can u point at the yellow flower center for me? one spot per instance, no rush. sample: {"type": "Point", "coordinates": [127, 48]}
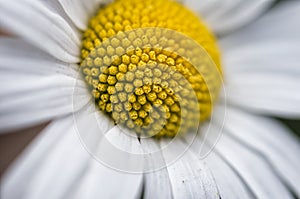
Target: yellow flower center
{"type": "Point", "coordinates": [144, 70]}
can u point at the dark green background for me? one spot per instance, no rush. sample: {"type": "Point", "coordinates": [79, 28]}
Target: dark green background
{"type": "Point", "coordinates": [292, 124]}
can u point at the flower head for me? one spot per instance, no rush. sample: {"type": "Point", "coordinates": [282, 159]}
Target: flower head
{"type": "Point", "coordinates": [145, 70]}
{"type": "Point", "coordinates": [98, 70]}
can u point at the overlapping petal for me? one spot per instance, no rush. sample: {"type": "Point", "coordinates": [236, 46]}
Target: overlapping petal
{"type": "Point", "coordinates": [261, 63]}
{"type": "Point", "coordinates": [35, 87]}
{"type": "Point", "coordinates": [43, 24]}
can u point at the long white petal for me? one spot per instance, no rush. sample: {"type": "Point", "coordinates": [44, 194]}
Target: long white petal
{"type": "Point", "coordinates": [80, 11]}
{"type": "Point", "coordinates": [156, 177]}
{"type": "Point", "coordinates": [228, 15]}
{"type": "Point", "coordinates": [105, 181]}
{"type": "Point", "coordinates": [121, 151]}
{"type": "Point", "coordinates": [26, 101]}
{"type": "Point", "coordinates": [268, 93]}
{"type": "Point", "coordinates": [189, 177]}
{"type": "Point", "coordinates": [18, 56]}
{"type": "Point", "coordinates": [35, 87]}
{"type": "Point", "coordinates": [261, 63]}
{"type": "Point", "coordinates": [271, 141]}
{"type": "Point", "coordinates": [40, 24]}
{"type": "Point", "coordinates": [55, 161]}
{"type": "Point", "coordinates": [258, 174]}
{"type": "Point", "coordinates": [229, 182]}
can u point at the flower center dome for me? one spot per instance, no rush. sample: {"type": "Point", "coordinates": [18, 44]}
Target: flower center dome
{"type": "Point", "coordinates": [144, 70]}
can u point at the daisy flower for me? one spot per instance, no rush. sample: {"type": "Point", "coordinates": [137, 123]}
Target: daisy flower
{"type": "Point", "coordinates": [148, 99]}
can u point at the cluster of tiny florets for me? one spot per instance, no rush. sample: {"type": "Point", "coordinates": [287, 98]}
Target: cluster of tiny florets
{"type": "Point", "coordinates": [139, 72]}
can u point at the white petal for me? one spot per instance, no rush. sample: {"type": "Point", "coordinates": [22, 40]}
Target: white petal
{"type": "Point", "coordinates": [17, 56]}
{"type": "Point", "coordinates": [29, 100]}
{"type": "Point", "coordinates": [79, 11]}
{"type": "Point", "coordinates": [229, 182]}
{"type": "Point", "coordinates": [189, 177]}
{"type": "Point", "coordinates": [38, 23]}
{"type": "Point", "coordinates": [156, 177]}
{"type": "Point", "coordinates": [258, 174]}
{"type": "Point", "coordinates": [25, 165]}
{"type": "Point", "coordinates": [271, 141]}
{"type": "Point", "coordinates": [261, 63]}
{"type": "Point", "coordinates": [224, 16]}
{"type": "Point", "coordinates": [269, 94]}
{"type": "Point", "coordinates": [104, 182]}
{"type": "Point", "coordinates": [103, 177]}
{"type": "Point", "coordinates": [35, 87]}
{"type": "Point", "coordinates": [55, 161]}
{"type": "Point", "coordinates": [121, 152]}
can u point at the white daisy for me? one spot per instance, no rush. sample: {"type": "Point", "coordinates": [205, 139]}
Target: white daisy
{"type": "Point", "coordinates": [254, 158]}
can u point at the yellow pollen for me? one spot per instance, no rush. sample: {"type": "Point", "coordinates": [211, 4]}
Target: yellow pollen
{"type": "Point", "coordinates": [142, 77]}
